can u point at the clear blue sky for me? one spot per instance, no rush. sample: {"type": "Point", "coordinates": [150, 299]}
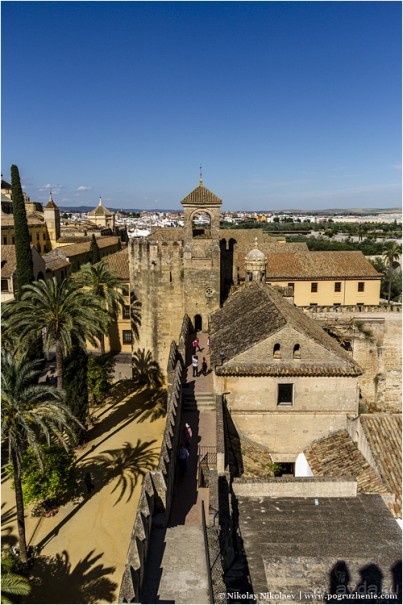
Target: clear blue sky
{"type": "Point", "coordinates": [285, 104]}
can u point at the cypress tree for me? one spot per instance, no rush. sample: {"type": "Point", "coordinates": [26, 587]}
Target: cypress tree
{"type": "Point", "coordinates": [75, 384]}
{"type": "Point", "coordinates": [25, 269]}
{"type": "Point", "coordinates": [95, 255]}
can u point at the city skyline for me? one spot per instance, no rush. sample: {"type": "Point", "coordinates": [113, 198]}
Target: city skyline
{"type": "Point", "coordinates": [284, 104]}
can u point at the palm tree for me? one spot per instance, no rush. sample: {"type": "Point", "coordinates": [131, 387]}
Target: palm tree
{"type": "Point", "coordinates": [62, 313]}
{"type": "Point", "coordinates": [30, 413]}
{"type": "Point", "coordinates": [105, 286]}
{"type": "Point", "coordinates": [391, 253]}
{"type": "Point", "coordinates": [13, 584]}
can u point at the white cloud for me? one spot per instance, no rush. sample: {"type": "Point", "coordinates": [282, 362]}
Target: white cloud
{"type": "Point", "coordinates": [83, 188]}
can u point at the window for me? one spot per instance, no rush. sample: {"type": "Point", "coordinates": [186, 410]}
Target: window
{"type": "Point", "coordinates": [361, 286]}
{"type": "Point", "coordinates": [337, 286]}
{"type": "Point", "coordinates": [276, 351]}
{"type": "Point", "coordinates": [127, 337]}
{"type": "Point", "coordinates": [296, 352]}
{"type": "Point", "coordinates": [44, 237]}
{"type": "Point", "coordinates": [37, 237]}
{"type": "Point", "coordinates": [13, 239]}
{"type": "Point", "coordinates": [126, 312]}
{"type": "Point", "coordinates": [5, 241]}
{"type": "Point", "coordinates": [285, 394]}
{"type": "Point", "coordinates": [4, 285]}
{"type": "Point", "coordinates": [314, 286]}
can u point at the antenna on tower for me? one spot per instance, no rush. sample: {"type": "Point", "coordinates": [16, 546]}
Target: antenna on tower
{"type": "Point", "coordinates": [201, 175]}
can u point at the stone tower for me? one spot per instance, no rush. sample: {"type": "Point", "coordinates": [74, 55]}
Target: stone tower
{"type": "Point", "coordinates": [174, 272]}
{"type": "Point", "coordinates": [51, 214]}
{"type": "Point", "coordinates": [201, 254]}
{"type": "Point", "coordinates": [255, 265]}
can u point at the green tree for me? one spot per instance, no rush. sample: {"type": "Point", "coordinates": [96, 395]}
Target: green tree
{"type": "Point", "coordinates": [30, 414]}
{"type": "Point", "coordinates": [12, 584]}
{"type": "Point", "coordinates": [54, 480]}
{"type": "Point", "coordinates": [391, 254]}
{"type": "Point", "coordinates": [25, 269]}
{"type": "Point", "coordinates": [60, 312]}
{"type": "Point", "coordinates": [95, 255]}
{"type": "Point", "coordinates": [107, 288]}
{"type": "Point", "coordinates": [75, 381]}
{"type": "Point", "coordinates": [99, 377]}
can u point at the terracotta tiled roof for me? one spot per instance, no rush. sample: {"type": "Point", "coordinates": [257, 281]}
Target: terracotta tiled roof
{"type": "Point", "coordinates": [118, 263]}
{"type": "Point", "coordinates": [384, 436]}
{"type": "Point", "coordinates": [312, 265]}
{"type": "Point", "coordinates": [100, 210]}
{"type": "Point", "coordinates": [337, 455]}
{"type": "Point", "coordinates": [76, 249]}
{"type": "Point", "coordinates": [255, 312]}
{"type": "Point", "coordinates": [34, 219]}
{"type": "Point", "coordinates": [201, 195]}
{"type": "Point", "coordinates": [8, 261]}
{"type": "Point", "coordinates": [55, 260]}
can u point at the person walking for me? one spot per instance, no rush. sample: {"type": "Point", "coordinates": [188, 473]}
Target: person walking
{"type": "Point", "coordinates": [196, 345]}
{"type": "Point", "coordinates": [187, 436]}
{"type": "Point", "coordinates": [195, 365]}
{"type": "Point", "coordinates": [204, 367]}
{"type": "Point", "coordinates": [183, 456]}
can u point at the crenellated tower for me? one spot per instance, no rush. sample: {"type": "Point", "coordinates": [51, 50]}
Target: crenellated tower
{"type": "Point", "coordinates": [201, 254]}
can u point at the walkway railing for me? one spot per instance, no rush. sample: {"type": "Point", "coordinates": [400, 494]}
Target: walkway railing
{"type": "Point", "coordinates": [207, 553]}
{"type": "Point", "coordinates": [206, 459]}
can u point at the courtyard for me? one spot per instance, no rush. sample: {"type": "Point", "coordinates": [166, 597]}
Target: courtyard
{"type": "Point", "coordinates": [83, 547]}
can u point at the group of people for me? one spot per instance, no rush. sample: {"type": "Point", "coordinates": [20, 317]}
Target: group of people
{"type": "Point", "coordinates": [184, 449]}
{"type": "Point", "coordinates": [195, 359]}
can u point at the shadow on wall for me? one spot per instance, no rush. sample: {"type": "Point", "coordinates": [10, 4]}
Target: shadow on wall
{"type": "Point", "coordinates": [369, 586]}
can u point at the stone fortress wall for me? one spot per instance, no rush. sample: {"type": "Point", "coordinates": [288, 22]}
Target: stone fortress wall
{"type": "Point", "coordinates": [156, 493]}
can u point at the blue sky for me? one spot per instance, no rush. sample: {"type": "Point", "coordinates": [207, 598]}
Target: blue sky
{"type": "Point", "coordinates": [285, 104]}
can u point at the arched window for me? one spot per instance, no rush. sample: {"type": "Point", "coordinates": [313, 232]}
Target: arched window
{"type": "Point", "coordinates": [297, 352]}
{"type": "Point", "coordinates": [201, 224]}
{"type": "Point", "coordinates": [277, 351]}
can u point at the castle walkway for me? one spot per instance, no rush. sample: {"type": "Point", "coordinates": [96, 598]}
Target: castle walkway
{"type": "Point", "coordinates": [176, 570]}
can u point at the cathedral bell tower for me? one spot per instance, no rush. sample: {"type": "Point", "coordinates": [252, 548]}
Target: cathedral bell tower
{"type": "Point", "coordinates": [201, 254]}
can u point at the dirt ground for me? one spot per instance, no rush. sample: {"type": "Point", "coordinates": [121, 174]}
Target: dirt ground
{"type": "Point", "coordinates": [84, 546]}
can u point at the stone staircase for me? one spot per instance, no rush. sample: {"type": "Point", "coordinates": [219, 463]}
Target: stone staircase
{"type": "Point", "coordinates": [182, 576]}
{"type": "Point", "coordinates": [198, 401]}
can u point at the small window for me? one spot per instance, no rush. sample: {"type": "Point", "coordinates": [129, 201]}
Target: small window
{"type": "Point", "coordinates": [361, 286]}
{"type": "Point", "coordinates": [296, 352]}
{"type": "Point", "coordinates": [337, 286]}
{"type": "Point", "coordinates": [276, 351]}
{"type": "Point", "coordinates": [127, 337]}
{"type": "Point", "coordinates": [5, 241]}
{"type": "Point", "coordinates": [44, 237]}
{"type": "Point", "coordinates": [37, 237]}
{"type": "Point", "coordinates": [13, 239]}
{"type": "Point", "coordinates": [4, 285]}
{"type": "Point", "coordinates": [126, 312]}
{"type": "Point", "coordinates": [314, 286]}
{"type": "Point", "coordinates": [285, 394]}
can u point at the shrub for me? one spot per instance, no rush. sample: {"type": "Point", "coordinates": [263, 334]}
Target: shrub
{"type": "Point", "coordinates": [99, 377]}
{"type": "Point", "coordinates": [57, 479]}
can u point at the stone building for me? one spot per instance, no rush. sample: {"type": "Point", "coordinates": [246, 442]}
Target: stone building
{"type": "Point", "coordinates": [102, 217]}
{"type": "Point", "coordinates": [191, 270]}
{"type": "Point", "coordinates": [277, 369]}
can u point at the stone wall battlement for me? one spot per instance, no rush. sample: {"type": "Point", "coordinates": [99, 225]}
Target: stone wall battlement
{"type": "Point", "coordinates": [156, 492]}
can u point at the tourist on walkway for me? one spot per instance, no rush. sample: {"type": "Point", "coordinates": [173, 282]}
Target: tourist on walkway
{"type": "Point", "coordinates": [196, 345]}
{"type": "Point", "coordinates": [195, 365]}
{"type": "Point", "coordinates": [183, 456]}
{"type": "Point", "coordinates": [204, 367]}
{"type": "Point", "coordinates": [187, 436]}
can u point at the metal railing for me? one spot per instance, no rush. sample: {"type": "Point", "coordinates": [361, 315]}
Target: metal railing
{"type": "Point", "coordinates": [207, 553]}
{"type": "Point", "coordinates": [206, 459]}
